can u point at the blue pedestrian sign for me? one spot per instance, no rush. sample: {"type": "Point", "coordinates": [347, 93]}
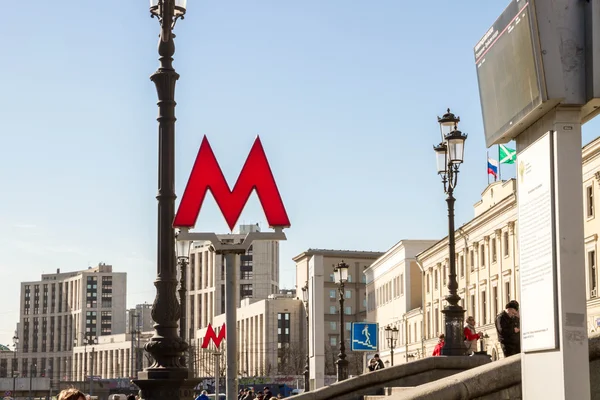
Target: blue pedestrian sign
{"type": "Point", "coordinates": [364, 336]}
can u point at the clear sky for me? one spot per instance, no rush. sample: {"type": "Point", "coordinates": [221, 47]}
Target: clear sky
{"type": "Point", "coordinates": [344, 94]}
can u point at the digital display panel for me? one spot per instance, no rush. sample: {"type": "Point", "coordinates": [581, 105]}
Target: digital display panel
{"type": "Point", "coordinates": [507, 72]}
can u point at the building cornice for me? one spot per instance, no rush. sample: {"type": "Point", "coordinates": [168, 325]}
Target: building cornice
{"type": "Point", "coordinates": [338, 253]}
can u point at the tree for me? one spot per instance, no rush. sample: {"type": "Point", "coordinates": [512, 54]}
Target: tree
{"type": "Point", "coordinates": [292, 359]}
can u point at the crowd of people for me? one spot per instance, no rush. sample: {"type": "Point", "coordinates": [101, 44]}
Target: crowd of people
{"type": "Point", "coordinates": [76, 394]}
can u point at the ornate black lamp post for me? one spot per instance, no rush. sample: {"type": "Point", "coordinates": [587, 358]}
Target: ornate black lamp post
{"type": "Point", "coordinates": [341, 277]}
{"type": "Point", "coordinates": [183, 256]}
{"type": "Point", "coordinates": [391, 335]}
{"type": "Point", "coordinates": [307, 366]}
{"type": "Point", "coordinates": [165, 376]}
{"type": "Point", "coordinates": [449, 155]}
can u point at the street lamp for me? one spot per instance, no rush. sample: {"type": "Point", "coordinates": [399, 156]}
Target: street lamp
{"type": "Point", "coordinates": [87, 340]}
{"type": "Point", "coordinates": [183, 248]}
{"type": "Point", "coordinates": [307, 366]}
{"type": "Point", "coordinates": [14, 363]}
{"type": "Point", "coordinates": [341, 277]}
{"type": "Point", "coordinates": [391, 335]}
{"type": "Point", "coordinates": [166, 373]}
{"type": "Point", "coordinates": [449, 155]}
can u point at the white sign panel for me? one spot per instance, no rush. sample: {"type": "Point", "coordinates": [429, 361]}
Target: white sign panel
{"type": "Point", "coordinates": [536, 246]}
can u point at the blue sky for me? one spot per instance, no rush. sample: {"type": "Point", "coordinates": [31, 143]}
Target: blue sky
{"type": "Point", "coordinates": [344, 95]}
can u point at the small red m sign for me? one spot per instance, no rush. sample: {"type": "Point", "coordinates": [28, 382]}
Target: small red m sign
{"type": "Point", "coordinates": [210, 335]}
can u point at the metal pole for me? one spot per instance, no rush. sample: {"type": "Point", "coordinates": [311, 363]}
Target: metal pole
{"type": "Point", "coordinates": [453, 312]}
{"type": "Point", "coordinates": [13, 371]}
{"type": "Point", "coordinates": [231, 303]}
{"type": "Point", "coordinates": [183, 301]}
{"type": "Point", "coordinates": [92, 372]}
{"type": "Point", "coordinates": [392, 352]}
{"type": "Point", "coordinates": [165, 374]}
{"type": "Point", "coordinates": [85, 360]}
{"type": "Point", "coordinates": [217, 374]}
{"type": "Point", "coordinates": [307, 366]}
{"type": "Point", "coordinates": [342, 363]}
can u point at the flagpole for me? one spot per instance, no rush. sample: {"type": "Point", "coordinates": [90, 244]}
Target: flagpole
{"type": "Point", "coordinates": [499, 163]}
{"type": "Point", "coordinates": [487, 160]}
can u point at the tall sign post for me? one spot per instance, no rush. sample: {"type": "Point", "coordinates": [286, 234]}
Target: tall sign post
{"type": "Point", "coordinates": [207, 175]}
{"type": "Point", "coordinates": [542, 53]}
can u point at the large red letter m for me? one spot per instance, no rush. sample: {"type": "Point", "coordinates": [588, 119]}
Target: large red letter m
{"type": "Point", "coordinates": [210, 335]}
{"type": "Point", "coordinates": [206, 174]}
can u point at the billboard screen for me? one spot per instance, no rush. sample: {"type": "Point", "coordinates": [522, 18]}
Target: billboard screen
{"type": "Point", "coordinates": [508, 72]}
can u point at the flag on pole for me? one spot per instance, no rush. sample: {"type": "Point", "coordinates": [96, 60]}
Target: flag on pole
{"type": "Point", "coordinates": [493, 167]}
{"type": "Point", "coordinates": [506, 155]}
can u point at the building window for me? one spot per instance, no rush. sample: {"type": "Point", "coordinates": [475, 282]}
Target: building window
{"type": "Point", "coordinates": [435, 280]}
{"type": "Point", "coordinates": [331, 278]}
{"type": "Point", "coordinates": [461, 263]}
{"type": "Point", "coordinates": [493, 250]}
{"type": "Point", "coordinates": [482, 255]}
{"type": "Point", "coordinates": [333, 326]}
{"type": "Point", "coordinates": [348, 294]}
{"type": "Point", "coordinates": [472, 308]}
{"type": "Point", "coordinates": [494, 301]}
{"type": "Point", "coordinates": [332, 294]}
{"type": "Point", "coordinates": [428, 282]}
{"type": "Point", "coordinates": [507, 293]}
{"type": "Point", "coordinates": [472, 260]}
{"type": "Point", "coordinates": [591, 256]}
{"type": "Point", "coordinates": [333, 340]}
{"type": "Point", "coordinates": [245, 290]}
{"type": "Point", "coordinates": [483, 307]}
{"type": "Point", "coordinates": [348, 310]}
{"type": "Point", "coordinates": [348, 326]}
{"type": "Point", "coordinates": [401, 284]}
{"type": "Point", "coordinates": [444, 275]}
{"type": "Point", "coordinates": [332, 310]}
{"type": "Point", "coordinates": [589, 201]}
{"type": "Point", "coordinates": [505, 244]}
{"type": "Point", "coordinates": [349, 278]}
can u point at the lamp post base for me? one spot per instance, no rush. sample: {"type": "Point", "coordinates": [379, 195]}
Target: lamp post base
{"type": "Point", "coordinates": [342, 369]}
{"type": "Point", "coordinates": [454, 317]}
{"type": "Point", "coordinates": [165, 385]}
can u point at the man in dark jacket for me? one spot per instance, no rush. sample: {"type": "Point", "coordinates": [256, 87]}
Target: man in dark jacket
{"type": "Point", "coordinates": [507, 326]}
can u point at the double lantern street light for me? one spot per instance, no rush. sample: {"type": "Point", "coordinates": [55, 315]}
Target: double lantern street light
{"type": "Point", "coordinates": [341, 277]}
{"type": "Point", "coordinates": [391, 336]}
{"type": "Point", "coordinates": [449, 154]}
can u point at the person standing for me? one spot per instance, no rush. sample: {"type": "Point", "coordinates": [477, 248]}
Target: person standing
{"type": "Point", "coordinates": [437, 351]}
{"type": "Point", "coordinates": [507, 326]}
{"type": "Point", "coordinates": [471, 336]}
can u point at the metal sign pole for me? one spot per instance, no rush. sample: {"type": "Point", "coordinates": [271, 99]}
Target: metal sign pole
{"type": "Point", "coordinates": [231, 304]}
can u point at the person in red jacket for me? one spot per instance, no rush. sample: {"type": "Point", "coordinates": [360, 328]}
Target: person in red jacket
{"type": "Point", "coordinates": [437, 351]}
{"type": "Point", "coordinates": [471, 336]}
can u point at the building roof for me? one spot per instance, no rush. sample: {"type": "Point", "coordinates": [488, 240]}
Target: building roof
{"type": "Point", "coordinates": [4, 348]}
{"type": "Point", "coordinates": [339, 253]}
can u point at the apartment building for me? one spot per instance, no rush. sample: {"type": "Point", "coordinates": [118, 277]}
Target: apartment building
{"type": "Point", "coordinates": [314, 269]}
{"type": "Point", "coordinates": [61, 309]}
{"type": "Point", "coordinates": [258, 277]}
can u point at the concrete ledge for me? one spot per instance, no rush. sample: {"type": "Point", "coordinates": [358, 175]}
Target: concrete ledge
{"type": "Point", "coordinates": [411, 374]}
{"type": "Point", "coordinates": [492, 378]}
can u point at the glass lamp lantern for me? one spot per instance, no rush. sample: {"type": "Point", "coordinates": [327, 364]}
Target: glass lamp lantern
{"type": "Point", "coordinates": [341, 272]}
{"type": "Point", "coordinates": [448, 123]}
{"type": "Point", "coordinates": [456, 146]}
{"type": "Point", "coordinates": [440, 157]}
{"type": "Point", "coordinates": [395, 334]}
{"type": "Point", "coordinates": [183, 248]}
{"type": "Point", "coordinates": [388, 333]}
{"type": "Point", "coordinates": [156, 7]}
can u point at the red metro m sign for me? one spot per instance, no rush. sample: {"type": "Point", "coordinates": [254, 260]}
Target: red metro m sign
{"type": "Point", "coordinates": [211, 336]}
{"type": "Point", "coordinates": [255, 175]}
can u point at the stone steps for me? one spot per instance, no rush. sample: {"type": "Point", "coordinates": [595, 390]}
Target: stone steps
{"type": "Point", "coordinates": [389, 391]}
